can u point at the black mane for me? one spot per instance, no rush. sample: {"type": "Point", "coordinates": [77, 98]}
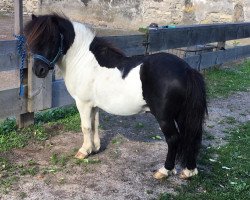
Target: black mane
{"type": "Point", "coordinates": [111, 57]}
{"type": "Point", "coordinates": [46, 29]}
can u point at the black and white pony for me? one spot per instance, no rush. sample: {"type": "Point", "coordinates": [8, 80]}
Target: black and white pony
{"type": "Point", "coordinates": [98, 75]}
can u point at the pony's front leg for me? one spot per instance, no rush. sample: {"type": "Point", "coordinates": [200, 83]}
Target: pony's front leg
{"type": "Point", "coordinates": [86, 113]}
{"type": "Point", "coordinates": [95, 126]}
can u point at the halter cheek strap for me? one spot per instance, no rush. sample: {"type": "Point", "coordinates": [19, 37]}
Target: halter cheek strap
{"type": "Point", "coordinates": [52, 63]}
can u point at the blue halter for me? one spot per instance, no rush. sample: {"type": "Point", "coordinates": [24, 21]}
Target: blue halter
{"type": "Point", "coordinates": [52, 63]}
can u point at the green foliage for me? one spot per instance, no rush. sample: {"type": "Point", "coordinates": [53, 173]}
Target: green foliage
{"type": "Point", "coordinates": [222, 82]}
{"type": "Point", "coordinates": [7, 126]}
{"type": "Point", "coordinates": [55, 159]}
{"type": "Point", "coordinates": [56, 114]}
{"type": "Point", "coordinates": [12, 137]}
{"type": "Point", "coordinates": [87, 161]}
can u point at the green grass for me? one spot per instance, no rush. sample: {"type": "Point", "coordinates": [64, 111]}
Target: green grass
{"type": "Point", "coordinates": [223, 82]}
{"type": "Point", "coordinates": [228, 177]}
{"type": "Point", "coordinates": [47, 124]}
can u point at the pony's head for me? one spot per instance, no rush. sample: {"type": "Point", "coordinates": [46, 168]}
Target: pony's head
{"type": "Point", "coordinates": [48, 38]}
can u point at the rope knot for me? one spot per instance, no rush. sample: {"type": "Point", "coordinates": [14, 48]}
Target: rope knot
{"type": "Point", "coordinates": [22, 53]}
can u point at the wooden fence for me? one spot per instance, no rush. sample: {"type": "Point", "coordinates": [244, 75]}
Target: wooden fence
{"type": "Point", "coordinates": [47, 93]}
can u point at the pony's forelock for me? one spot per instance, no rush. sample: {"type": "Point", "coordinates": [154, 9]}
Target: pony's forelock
{"type": "Point", "coordinates": [41, 26]}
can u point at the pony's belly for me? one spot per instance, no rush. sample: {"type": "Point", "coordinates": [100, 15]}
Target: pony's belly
{"type": "Point", "coordinates": [123, 106]}
{"type": "Point", "coordinates": [119, 96]}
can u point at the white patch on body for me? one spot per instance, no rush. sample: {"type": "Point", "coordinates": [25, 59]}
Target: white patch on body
{"type": "Point", "coordinates": [116, 95]}
{"type": "Point", "coordinates": [104, 87]}
{"type": "Point", "coordinates": [94, 86]}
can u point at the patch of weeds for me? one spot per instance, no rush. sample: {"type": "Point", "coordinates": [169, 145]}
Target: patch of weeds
{"type": "Point", "coordinates": [53, 115]}
{"type": "Point", "coordinates": [56, 119]}
{"type": "Point", "coordinates": [10, 173]}
{"type": "Point", "coordinates": [210, 126]}
{"type": "Point", "coordinates": [208, 136]}
{"type": "Point", "coordinates": [7, 126]}
{"type": "Point", "coordinates": [51, 169]}
{"type": "Point", "coordinates": [156, 137]}
{"type": "Point", "coordinates": [54, 159]}
{"type": "Point", "coordinates": [28, 170]}
{"type": "Point", "coordinates": [31, 162]}
{"type": "Point", "coordinates": [227, 176]}
{"type": "Point", "coordinates": [6, 183]}
{"type": "Point", "coordinates": [139, 125]}
{"type": "Point", "coordinates": [222, 82]}
{"type": "Point", "coordinates": [71, 123]}
{"type": "Point", "coordinates": [117, 140]}
{"type": "Point", "coordinates": [23, 195]}
{"type": "Point", "coordinates": [66, 118]}
{"type": "Point", "coordinates": [59, 160]}
{"type": "Point", "coordinates": [13, 140]}
{"type": "Point", "coordinates": [230, 120]}
{"type": "Point", "coordinates": [40, 134]}
{"type": "Point", "coordinates": [87, 161]}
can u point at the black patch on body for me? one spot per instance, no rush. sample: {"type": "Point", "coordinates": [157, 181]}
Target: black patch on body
{"type": "Point", "coordinates": [175, 93]}
{"type": "Point", "coordinates": [110, 57]}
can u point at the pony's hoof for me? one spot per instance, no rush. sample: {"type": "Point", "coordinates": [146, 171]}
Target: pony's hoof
{"type": "Point", "coordinates": [186, 173]}
{"type": "Point", "coordinates": [158, 175]}
{"type": "Point", "coordinates": [163, 173]}
{"type": "Point", "coordinates": [80, 155]}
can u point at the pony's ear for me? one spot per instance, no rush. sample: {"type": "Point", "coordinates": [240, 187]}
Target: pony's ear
{"type": "Point", "coordinates": [33, 16]}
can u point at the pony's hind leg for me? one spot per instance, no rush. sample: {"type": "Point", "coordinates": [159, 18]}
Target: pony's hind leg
{"type": "Point", "coordinates": [86, 114]}
{"type": "Point", "coordinates": [172, 138]}
{"type": "Point", "coordinates": [190, 167]}
{"type": "Point", "coordinates": [189, 147]}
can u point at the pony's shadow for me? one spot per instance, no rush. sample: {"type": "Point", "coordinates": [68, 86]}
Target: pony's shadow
{"type": "Point", "coordinates": [140, 127]}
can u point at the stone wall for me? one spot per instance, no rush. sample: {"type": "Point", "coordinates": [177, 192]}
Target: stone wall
{"type": "Point", "coordinates": [30, 6]}
{"type": "Point", "coordinates": [137, 13]}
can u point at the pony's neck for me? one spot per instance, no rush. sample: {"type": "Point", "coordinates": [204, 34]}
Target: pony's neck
{"type": "Point", "coordinates": [79, 53]}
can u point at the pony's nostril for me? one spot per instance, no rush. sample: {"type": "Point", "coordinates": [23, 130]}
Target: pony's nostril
{"type": "Point", "coordinates": [41, 71]}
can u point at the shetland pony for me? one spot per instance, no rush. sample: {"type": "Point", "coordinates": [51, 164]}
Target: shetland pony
{"type": "Point", "coordinates": [97, 75]}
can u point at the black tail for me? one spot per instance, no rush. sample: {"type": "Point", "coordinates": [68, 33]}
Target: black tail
{"type": "Point", "coordinates": [191, 119]}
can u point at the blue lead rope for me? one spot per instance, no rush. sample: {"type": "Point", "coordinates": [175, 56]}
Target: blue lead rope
{"type": "Point", "coordinates": [22, 53]}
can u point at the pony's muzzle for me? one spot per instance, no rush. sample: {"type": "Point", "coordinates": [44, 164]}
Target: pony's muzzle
{"type": "Point", "coordinates": [40, 70]}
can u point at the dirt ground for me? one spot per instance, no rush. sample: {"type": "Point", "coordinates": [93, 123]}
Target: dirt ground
{"type": "Point", "coordinates": [126, 162]}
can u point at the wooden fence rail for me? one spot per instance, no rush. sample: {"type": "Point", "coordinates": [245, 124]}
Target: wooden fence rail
{"type": "Point", "coordinates": [46, 93]}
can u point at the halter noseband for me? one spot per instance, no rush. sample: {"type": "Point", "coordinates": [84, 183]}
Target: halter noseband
{"type": "Point", "coordinates": [52, 63]}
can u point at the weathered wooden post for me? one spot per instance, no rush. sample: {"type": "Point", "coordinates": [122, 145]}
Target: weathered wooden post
{"type": "Point", "coordinates": [25, 119]}
{"type": "Point", "coordinates": [39, 93]}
